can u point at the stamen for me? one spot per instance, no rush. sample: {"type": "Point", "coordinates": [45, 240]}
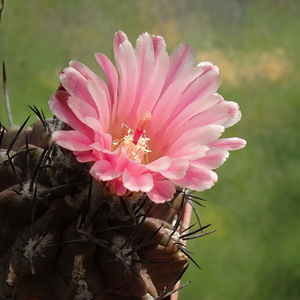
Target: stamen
{"type": "Point", "coordinates": [141, 127]}
{"type": "Point", "coordinates": [136, 143]}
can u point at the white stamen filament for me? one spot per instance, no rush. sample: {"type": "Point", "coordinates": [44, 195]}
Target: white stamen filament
{"type": "Point", "coordinates": [136, 142]}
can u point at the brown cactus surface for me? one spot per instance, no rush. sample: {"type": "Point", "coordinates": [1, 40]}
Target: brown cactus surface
{"type": "Point", "coordinates": [64, 236]}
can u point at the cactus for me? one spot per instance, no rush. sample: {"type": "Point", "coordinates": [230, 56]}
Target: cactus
{"type": "Point", "coordinates": [94, 203]}
{"type": "Point", "coordinates": [64, 236]}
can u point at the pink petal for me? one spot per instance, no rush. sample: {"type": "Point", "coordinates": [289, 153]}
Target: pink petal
{"type": "Point", "coordinates": [59, 106]}
{"type": "Point", "coordinates": [169, 100]}
{"type": "Point", "coordinates": [95, 89]}
{"type": "Point", "coordinates": [85, 156]}
{"type": "Point", "coordinates": [110, 73]}
{"type": "Point", "coordinates": [162, 191]}
{"type": "Point", "coordinates": [177, 170]}
{"type": "Point", "coordinates": [229, 143]}
{"type": "Point", "coordinates": [160, 164]}
{"type": "Point", "coordinates": [208, 66]}
{"type": "Point", "coordinates": [103, 170]}
{"type": "Point", "coordinates": [180, 122]}
{"type": "Point", "coordinates": [127, 67]}
{"type": "Point", "coordinates": [94, 124]}
{"type": "Point", "coordinates": [225, 113]}
{"type": "Point", "coordinates": [190, 151]}
{"type": "Point", "coordinates": [76, 85]}
{"type": "Point", "coordinates": [118, 186]}
{"type": "Point", "coordinates": [200, 136]}
{"type": "Point", "coordinates": [181, 60]}
{"type": "Point", "coordinates": [154, 85]}
{"type": "Point", "coordinates": [142, 182]}
{"type": "Point", "coordinates": [80, 108]}
{"type": "Point", "coordinates": [213, 158]}
{"type": "Point", "coordinates": [205, 85]}
{"type": "Point", "coordinates": [197, 178]}
{"type": "Point", "coordinates": [72, 140]}
{"type": "Point", "coordinates": [145, 61]}
{"type": "Point", "coordinates": [103, 103]}
{"type": "Point", "coordinates": [159, 45]}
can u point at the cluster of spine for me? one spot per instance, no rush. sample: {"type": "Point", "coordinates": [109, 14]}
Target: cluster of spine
{"type": "Point", "coordinates": [64, 236]}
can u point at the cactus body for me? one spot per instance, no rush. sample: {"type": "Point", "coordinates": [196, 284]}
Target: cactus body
{"type": "Point", "coordinates": [65, 236]}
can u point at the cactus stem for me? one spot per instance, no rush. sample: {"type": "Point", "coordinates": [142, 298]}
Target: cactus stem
{"type": "Point", "coordinates": [108, 291]}
{"type": "Point", "coordinates": [169, 290]}
{"type": "Point", "coordinates": [83, 292]}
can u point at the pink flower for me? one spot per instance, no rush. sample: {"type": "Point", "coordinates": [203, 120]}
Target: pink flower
{"type": "Point", "coordinates": [154, 125]}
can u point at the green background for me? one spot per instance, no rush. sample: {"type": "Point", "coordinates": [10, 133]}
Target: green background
{"type": "Point", "coordinates": [255, 204]}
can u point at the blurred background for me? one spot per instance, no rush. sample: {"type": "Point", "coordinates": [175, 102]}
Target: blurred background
{"type": "Point", "coordinates": [255, 253]}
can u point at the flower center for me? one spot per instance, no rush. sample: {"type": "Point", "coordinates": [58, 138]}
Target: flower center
{"type": "Point", "coordinates": [136, 141]}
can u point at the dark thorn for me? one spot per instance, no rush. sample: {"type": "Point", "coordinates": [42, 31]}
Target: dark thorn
{"type": "Point", "coordinates": [16, 136]}
{"type": "Point", "coordinates": [199, 235]}
{"type": "Point", "coordinates": [188, 228]}
{"type": "Point", "coordinates": [3, 130]}
{"type": "Point", "coordinates": [37, 168]}
{"type": "Point", "coordinates": [189, 256]}
{"type": "Point", "coordinates": [56, 188]}
{"type": "Point", "coordinates": [141, 244]}
{"type": "Point", "coordinates": [195, 212]}
{"type": "Point", "coordinates": [67, 243]}
{"type": "Point", "coordinates": [177, 224]}
{"type": "Point", "coordinates": [5, 88]}
{"type": "Point", "coordinates": [41, 116]}
{"type": "Point", "coordinates": [15, 171]}
{"type": "Point", "coordinates": [195, 231]}
{"type": "Point", "coordinates": [146, 261]}
{"type": "Point", "coordinates": [33, 211]}
{"type": "Point", "coordinates": [137, 227]}
{"type": "Point", "coordinates": [85, 206]}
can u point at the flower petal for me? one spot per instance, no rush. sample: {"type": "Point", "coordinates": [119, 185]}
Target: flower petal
{"type": "Point", "coordinates": [72, 140]}
{"type": "Point", "coordinates": [110, 73]}
{"type": "Point", "coordinates": [197, 178]}
{"type": "Point", "coordinates": [229, 143]}
{"type": "Point", "coordinates": [177, 170]}
{"type": "Point", "coordinates": [104, 171]}
{"type": "Point", "coordinates": [59, 106]}
{"type": "Point", "coordinates": [162, 191]}
{"type": "Point", "coordinates": [85, 156]}
{"type": "Point", "coordinates": [127, 67]}
{"type": "Point", "coordinates": [160, 164]}
{"type": "Point", "coordinates": [213, 158]}
{"type": "Point", "coordinates": [142, 182]}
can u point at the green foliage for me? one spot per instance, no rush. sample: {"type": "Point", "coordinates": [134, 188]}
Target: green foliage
{"type": "Point", "coordinates": [254, 206]}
